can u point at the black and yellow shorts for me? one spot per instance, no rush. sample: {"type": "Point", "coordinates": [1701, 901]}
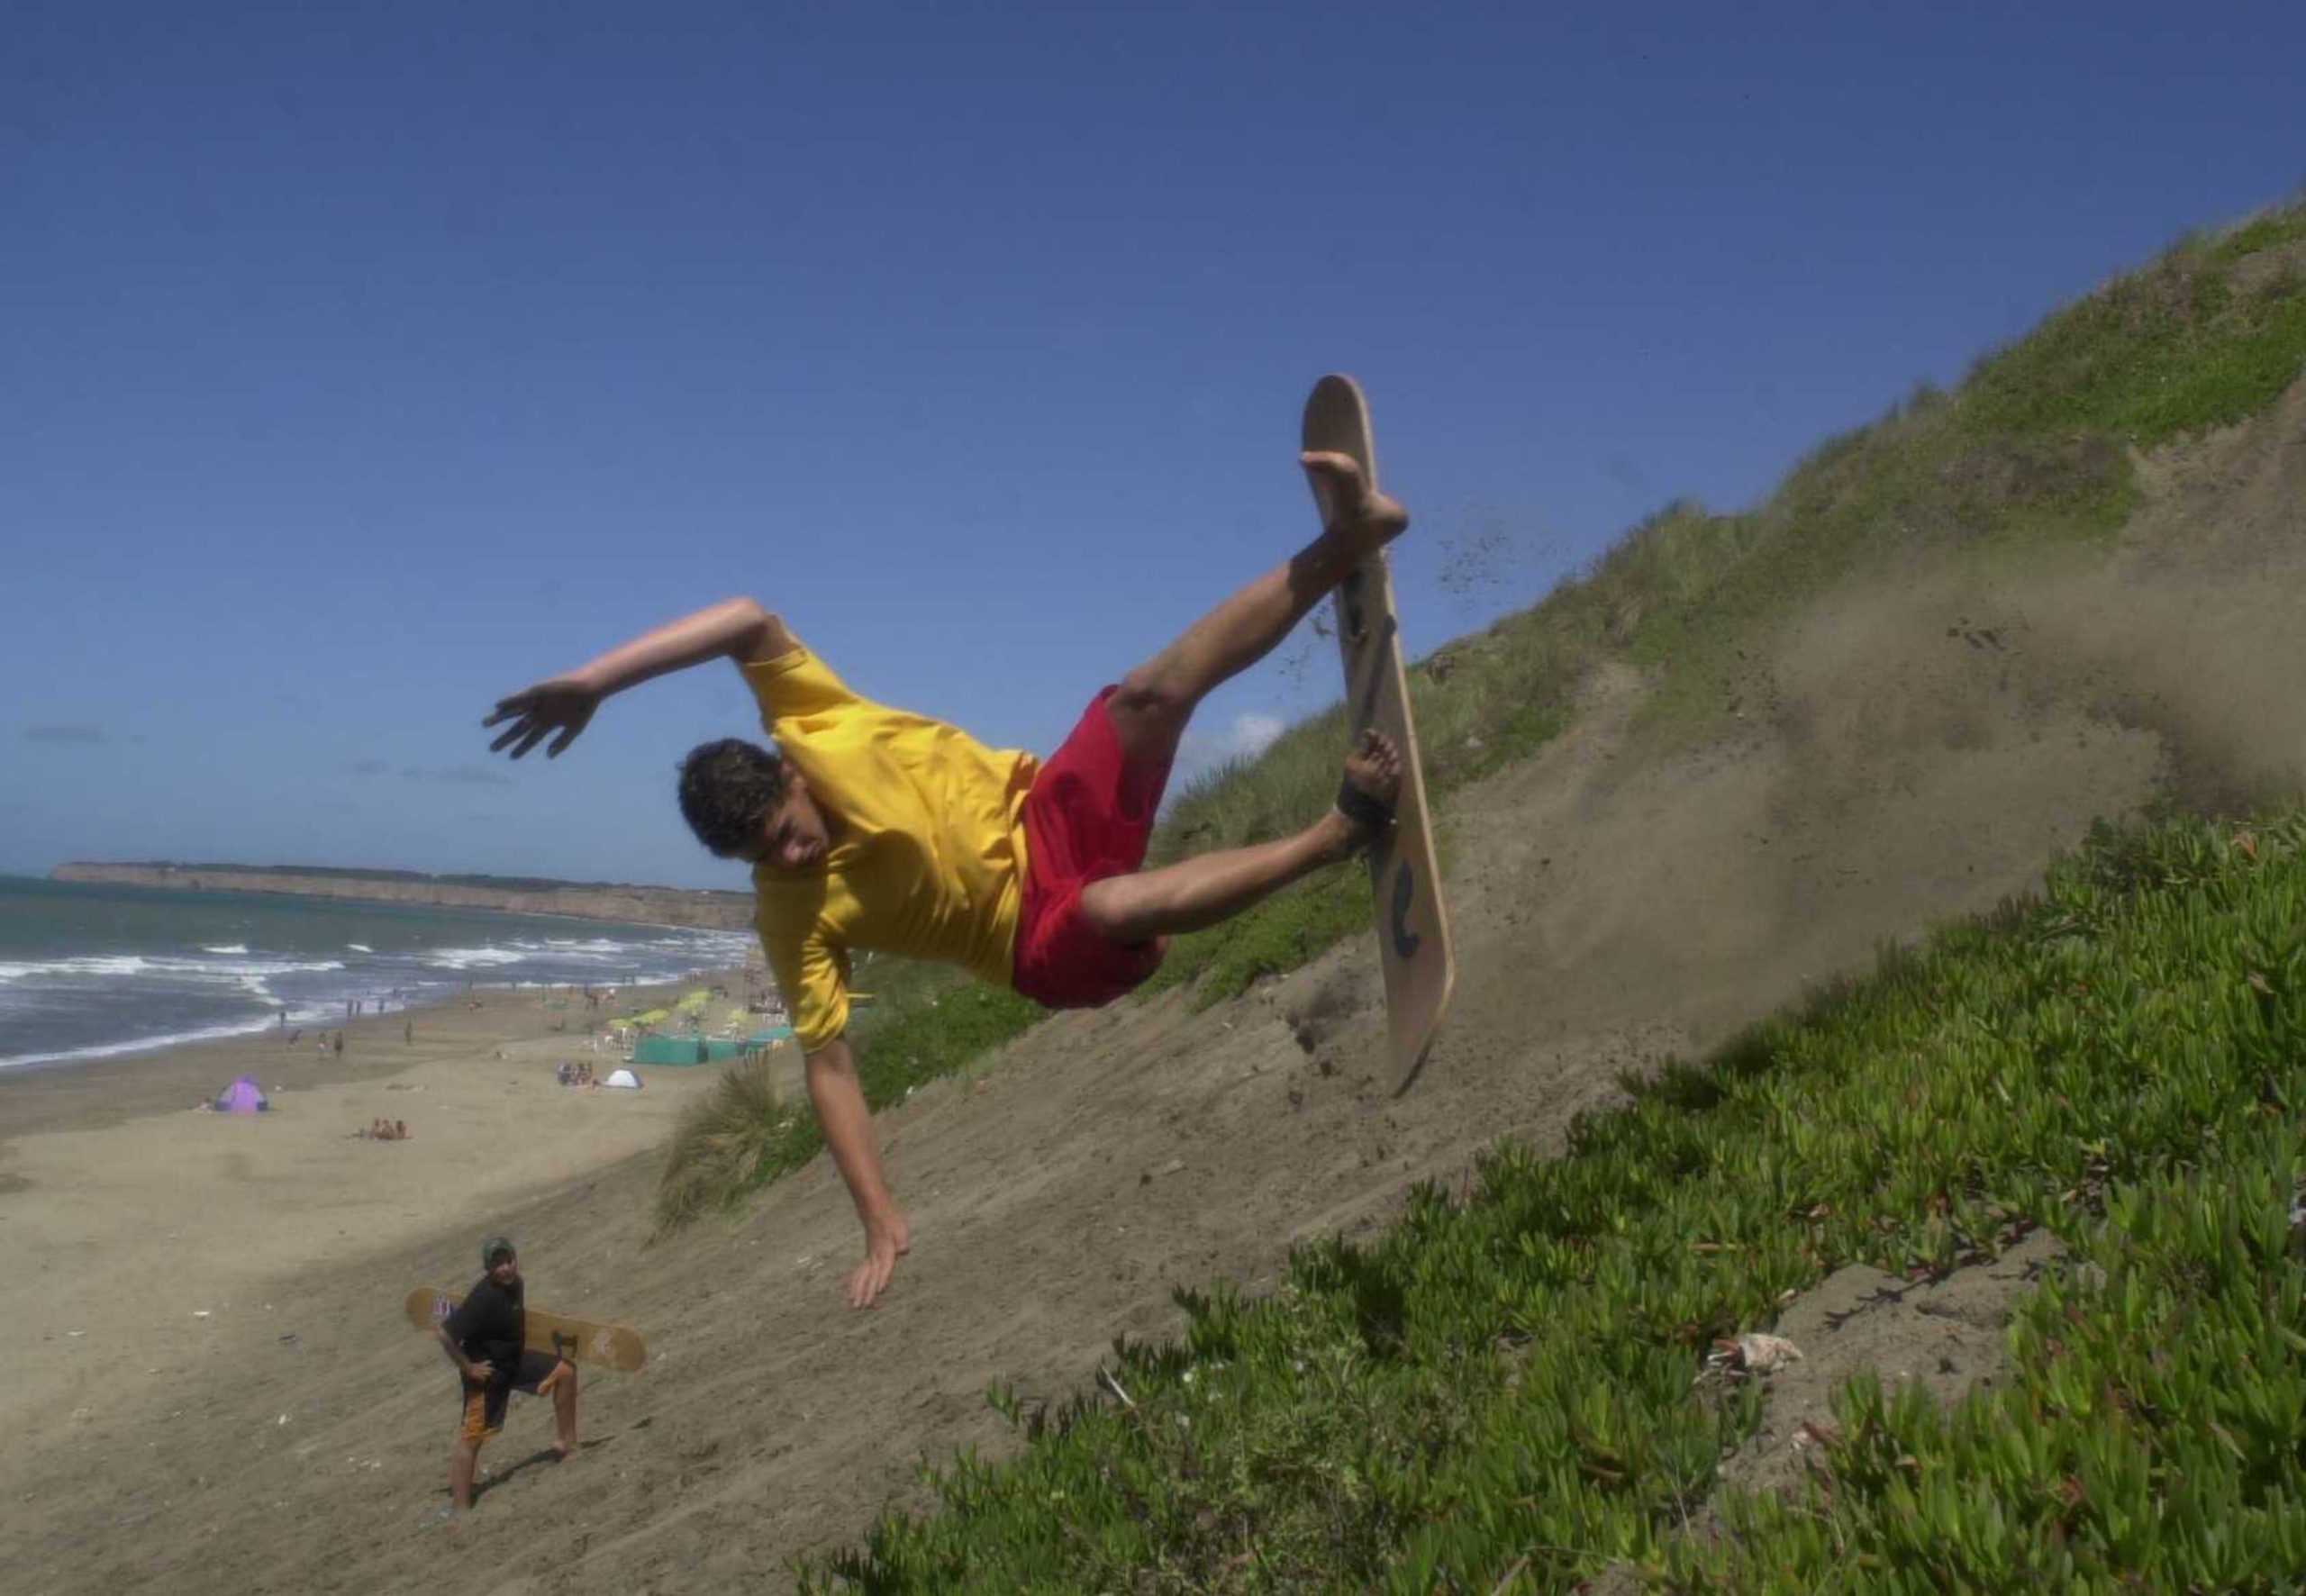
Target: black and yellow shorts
{"type": "Point", "coordinates": [484, 1404]}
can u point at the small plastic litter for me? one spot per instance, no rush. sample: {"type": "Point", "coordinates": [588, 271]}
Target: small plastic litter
{"type": "Point", "coordinates": [1753, 1354]}
{"type": "Point", "coordinates": [1764, 1354]}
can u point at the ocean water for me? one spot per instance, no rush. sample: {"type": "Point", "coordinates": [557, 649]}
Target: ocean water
{"type": "Point", "coordinates": [87, 971]}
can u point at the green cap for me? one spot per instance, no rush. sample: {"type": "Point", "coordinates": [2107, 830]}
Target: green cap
{"type": "Point", "coordinates": [492, 1246]}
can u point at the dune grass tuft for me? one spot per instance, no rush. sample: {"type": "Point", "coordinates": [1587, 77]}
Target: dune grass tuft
{"type": "Point", "coordinates": [723, 1138]}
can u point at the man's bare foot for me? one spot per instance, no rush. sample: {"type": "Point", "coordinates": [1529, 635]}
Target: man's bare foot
{"type": "Point", "coordinates": [1365, 518]}
{"type": "Point", "coordinates": [1366, 799]}
{"type": "Point", "coordinates": [564, 1450]}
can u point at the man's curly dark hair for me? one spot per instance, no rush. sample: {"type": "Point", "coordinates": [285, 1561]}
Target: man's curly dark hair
{"type": "Point", "coordinates": [728, 788]}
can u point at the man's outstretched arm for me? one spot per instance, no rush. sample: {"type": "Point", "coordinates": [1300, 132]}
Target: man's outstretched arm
{"type": "Point", "coordinates": [735, 629]}
{"type": "Point", "coordinates": [847, 1125]}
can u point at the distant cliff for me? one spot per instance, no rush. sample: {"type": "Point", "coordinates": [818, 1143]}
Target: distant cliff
{"type": "Point", "coordinates": [648, 905]}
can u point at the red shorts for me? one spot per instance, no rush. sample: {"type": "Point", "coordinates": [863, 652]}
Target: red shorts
{"type": "Point", "coordinates": [1089, 815]}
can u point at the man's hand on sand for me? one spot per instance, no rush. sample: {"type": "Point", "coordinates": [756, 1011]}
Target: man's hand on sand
{"type": "Point", "coordinates": [885, 1243]}
{"type": "Point", "coordinates": [563, 705]}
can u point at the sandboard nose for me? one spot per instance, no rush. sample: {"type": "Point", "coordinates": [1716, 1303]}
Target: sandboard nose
{"type": "Point", "coordinates": [1337, 419]}
{"type": "Point", "coordinates": [1337, 422]}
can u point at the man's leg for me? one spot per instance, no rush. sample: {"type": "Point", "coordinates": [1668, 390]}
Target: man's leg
{"type": "Point", "coordinates": [1154, 702]}
{"type": "Point", "coordinates": [1201, 892]}
{"type": "Point", "coordinates": [460, 1470]}
{"type": "Point", "coordinates": [564, 1407]}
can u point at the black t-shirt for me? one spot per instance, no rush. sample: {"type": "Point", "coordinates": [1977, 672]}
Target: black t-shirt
{"type": "Point", "coordinates": [490, 1325]}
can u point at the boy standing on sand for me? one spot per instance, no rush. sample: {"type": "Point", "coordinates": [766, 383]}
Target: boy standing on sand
{"type": "Point", "coordinates": [486, 1337]}
{"type": "Point", "coordinates": [872, 827]}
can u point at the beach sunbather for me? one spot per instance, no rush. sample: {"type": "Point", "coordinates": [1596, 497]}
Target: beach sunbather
{"type": "Point", "coordinates": [874, 828]}
{"type": "Point", "coordinates": [485, 1337]}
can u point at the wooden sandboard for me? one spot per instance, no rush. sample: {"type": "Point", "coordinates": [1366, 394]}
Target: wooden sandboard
{"type": "Point", "coordinates": [1413, 931]}
{"type": "Point", "coordinates": [580, 1340]}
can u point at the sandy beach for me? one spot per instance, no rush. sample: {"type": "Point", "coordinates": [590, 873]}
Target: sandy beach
{"type": "Point", "coordinates": [136, 1226]}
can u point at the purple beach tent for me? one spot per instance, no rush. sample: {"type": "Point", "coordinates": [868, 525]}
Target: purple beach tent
{"type": "Point", "coordinates": [242, 1097]}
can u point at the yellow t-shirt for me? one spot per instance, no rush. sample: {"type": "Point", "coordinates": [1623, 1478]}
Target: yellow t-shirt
{"type": "Point", "coordinates": [928, 858]}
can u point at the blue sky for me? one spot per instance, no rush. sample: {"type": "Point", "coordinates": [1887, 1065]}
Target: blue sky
{"type": "Point", "coordinates": [365, 364]}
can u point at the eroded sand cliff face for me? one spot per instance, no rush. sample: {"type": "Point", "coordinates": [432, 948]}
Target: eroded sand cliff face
{"type": "Point", "coordinates": [590, 901]}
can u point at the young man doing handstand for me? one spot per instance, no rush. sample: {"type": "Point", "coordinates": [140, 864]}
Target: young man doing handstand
{"type": "Point", "coordinates": [872, 828]}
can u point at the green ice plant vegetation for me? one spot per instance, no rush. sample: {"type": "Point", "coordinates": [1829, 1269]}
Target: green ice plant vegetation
{"type": "Point", "coordinates": [1506, 1390]}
